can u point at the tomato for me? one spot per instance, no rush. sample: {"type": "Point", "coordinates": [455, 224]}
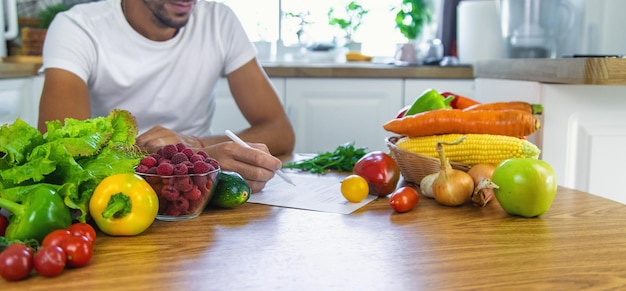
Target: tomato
{"type": "Point", "coordinates": [49, 261]}
{"type": "Point", "coordinates": [404, 199]}
{"type": "Point", "coordinates": [4, 222]}
{"type": "Point", "coordinates": [16, 262]}
{"type": "Point", "coordinates": [78, 250]}
{"type": "Point", "coordinates": [354, 188]}
{"type": "Point", "coordinates": [56, 237]}
{"type": "Point", "coordinates": [81, 228]}
{"type": "Point", "coordinates": [380, 171]}
{"type": "Point", "coordinates": [526, 187]}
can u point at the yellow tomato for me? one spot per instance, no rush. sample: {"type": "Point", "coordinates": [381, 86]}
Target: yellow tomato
{"type": "Point", "coordinates": [354, 188]}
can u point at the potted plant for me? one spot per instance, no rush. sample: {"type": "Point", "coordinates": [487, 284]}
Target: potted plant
{"type": "Point", "coordinates": [411, 18]}
{"type": "Point", "coordinates": [348, 20]}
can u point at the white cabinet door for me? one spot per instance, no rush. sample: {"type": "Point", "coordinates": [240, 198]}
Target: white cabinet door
{"type": "Point", "coordinates": [17, 100]}
{"type": "Point", "coordinates": [227, 114]}
{"type": "Point", "coordinates": [329, 112]}
{"type": "Point", "coordinates": [585, 137]}
{"type": "Point", "coordinates": [415, 87]}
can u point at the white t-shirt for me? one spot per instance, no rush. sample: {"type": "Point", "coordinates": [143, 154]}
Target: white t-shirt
{"type": "Point", "coordinates": [169, 83]}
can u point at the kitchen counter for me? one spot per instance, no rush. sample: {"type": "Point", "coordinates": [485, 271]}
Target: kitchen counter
{"type": "Point", "coordinates": [308, 70]}
{"type": "Point", "coordinates": [589, 71]}
{"type": "Point", "coordinates": [578, 244]}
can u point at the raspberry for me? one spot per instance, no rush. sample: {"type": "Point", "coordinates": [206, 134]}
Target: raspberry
{"type": "Point", "coordinates": [183, 184]}
{"type": "Point", "coordinates": [188, 152]}
{"type": "Point", "coordinates": [172, 210]}
{"type": "Point", "coordinates": [181, 204]}
{"type": "Point", "coordinates": [165, 169]}
{"type": "Point", "coordinates": [163, 161]}
{"type": "Point", "coordinates": [203, 153]}
{"type": "Point", "coordinates": [195, 205]}
{"type": "Point", "coordinates": [200, 181]}
{"type": "Point", "coordinates": [169, 150]}
{"type": "Point", "coordinates": [155, 156]}
{"type": "Point", "coordinates": [180, 147]}
{"type": "Point", "coordinates": [178, 158]}
{"type": "Point", "coordinates": [152, 170]}
{"type": "Point", "coordinates": [201, 167]}
{"type": "Point", "coordinates": [142, 169]}
{"type": "Point", "coordinates": [193, 194]}
{"type": "Point", "coordinates": [196, 157]}
{"type": "Point", "coordinates": [148, 161]}
{"type": "Point", "coordinates": [213, 162]}
{"type": "Point", "coordinates": [169, 192]}
{"type": "Point", "coordinates": [180, 169]}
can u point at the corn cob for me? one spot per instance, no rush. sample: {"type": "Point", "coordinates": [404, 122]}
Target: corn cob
{"type": "Point", "coordinates": [475, 149]}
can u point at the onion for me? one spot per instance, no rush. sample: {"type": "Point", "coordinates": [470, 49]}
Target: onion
{"type": "Point", "coordinates": [483, 187]}
{"type": "Point", "coordinates": [426, 185]}
{"type": "Point", "coordinates": [451, 187]}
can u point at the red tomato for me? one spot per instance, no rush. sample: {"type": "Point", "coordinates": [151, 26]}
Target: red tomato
{"type": "Point", "coordinates": [16, 262]}
{"type": "Point", "coordinates": [404, 199]}
{"type": "Point", "coordinates": [78, 250]}
{"type": "Point", "coordinates": [56, 237]}
{"type": "Point", "coordinates": [49, 261]}
{"type": "Point", "coordinates": [4, 222]}
{"type": "Point", "coordinates": [380, 171]}
{"type": "Point", "coordinates": [81, 228]}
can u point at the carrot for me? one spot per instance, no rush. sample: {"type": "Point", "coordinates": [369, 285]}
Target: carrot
{"type": "Point", "coordinates": [460, 102]}
{"type": "Point", "coordinates": [443, 121]}
{"type": "Point", "coordinates": [518, 105]}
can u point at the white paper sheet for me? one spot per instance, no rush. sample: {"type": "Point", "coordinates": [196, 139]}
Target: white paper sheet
{"type": "Point", "coordinates": [312, 192]}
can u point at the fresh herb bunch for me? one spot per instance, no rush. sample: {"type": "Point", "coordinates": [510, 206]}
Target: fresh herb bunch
{"type": "Point", "coordinates": [341, 159]}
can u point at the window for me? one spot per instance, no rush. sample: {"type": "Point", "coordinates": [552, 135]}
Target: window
{"type": "Point", "coordinates": [378, 35]}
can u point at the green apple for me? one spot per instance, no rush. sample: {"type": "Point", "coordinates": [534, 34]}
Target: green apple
{"type": "Point", "coordinates": [526, 187]}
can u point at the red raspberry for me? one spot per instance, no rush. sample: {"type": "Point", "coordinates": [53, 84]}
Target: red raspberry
{"type": "Point", "coordinates": [142, 169]}
{"type": "Point", "coordinates": [181, 204]}
{"type": "Point", "coordinates": [172, 210]}
{"type": "Point", "coordinates": [213, 162]}
{"type": "Point", "coordinates": [180, 169]}
{"type": "Point", "coordinates": [195, 205]}
{"type": "Point", "coordinates": [188, 152]}
{"type": "Point", "coordinates": [201, 167]}
{"type": "Point", "coordinates": [169, 150]}
{"type": "Point", "coordinates": [196, 157]}
{"type": "Point", "coordinates": [165, 169]}
{"type": "Point", "coordinates": [152, 170]}
{"type": "Point", "coordinates": [148, 161]}
{"type": "Point", "coordinates": [181, 146]}
{"type": "Point", "coordinates": [169, 192]}
{"type": "Point", "coordinates": [193, 194]}
{"type": "Point", "coordinates": [163, 160]}
{"type": "Point", "coordinates": [200, 181]}
{"type": "Point", "coordinates": [183, 184]}
{"type": "Point", "coordinates": [203, 153]}
{"type": "Point", "coordinates": [178, 158]}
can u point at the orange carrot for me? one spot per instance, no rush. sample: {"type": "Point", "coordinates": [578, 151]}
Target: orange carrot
{"type": "Point", "coordinates": [518, 105]}
{"type": "Point", "coordinates": [460, 102]}
{"type": "Point", "coordinates": [443, 121]}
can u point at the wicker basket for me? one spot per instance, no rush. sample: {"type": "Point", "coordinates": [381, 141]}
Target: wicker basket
{"type": "Point", "coordinates": [415, 167]}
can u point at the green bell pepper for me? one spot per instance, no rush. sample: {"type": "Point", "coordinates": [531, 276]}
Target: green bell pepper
{"type": "Point", "coordinates": [38, 213]}
{"type": "Point", "coordinates": [429, 100]}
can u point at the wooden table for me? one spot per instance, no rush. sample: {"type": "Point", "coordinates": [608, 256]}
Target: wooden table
{"type": "Point", "coordinates": [580, 243]}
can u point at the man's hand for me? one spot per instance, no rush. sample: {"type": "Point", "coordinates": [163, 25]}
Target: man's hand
{"type": "Point", "coordinates": [160, 136]}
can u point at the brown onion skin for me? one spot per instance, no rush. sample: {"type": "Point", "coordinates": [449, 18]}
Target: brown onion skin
{"type": "Point", "coordinates": [453, 187]}
{"type": "Point", "coordinates": [479, 172]}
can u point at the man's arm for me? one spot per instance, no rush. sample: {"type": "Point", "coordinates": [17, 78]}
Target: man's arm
{"type": "Point", "coordinates": [64, 95]}
{"type": "Point", "coordinates": [258, 101]}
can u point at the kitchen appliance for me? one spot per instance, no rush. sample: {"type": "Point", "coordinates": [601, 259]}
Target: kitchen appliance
{"type": "Point", "coordinates": [533, 28]}
{"type": "Point", "coordinates": [8, 22]}
{"type": "Point", "coordinates": [479, 37]}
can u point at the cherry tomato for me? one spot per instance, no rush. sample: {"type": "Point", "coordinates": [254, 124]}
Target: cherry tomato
{"type": "Point", "coordinates": [354, 188]}
{"type": "Point", "coordinates": [404, 199]}
{"type": "Point", "coordinates": [56, 237]}
{"type": "Point", "coordinates": [81, 228]}
{"type": "Point", "coordinates": [78, 250]}
{"type": "Point", "coordinates": [49, 261]}
{"type": "Point", "coordinates": [380, 171]}
{"type": "Point", "coordinates": [4, 222]}
{"type": "Point", "coordinates": [16, 262]}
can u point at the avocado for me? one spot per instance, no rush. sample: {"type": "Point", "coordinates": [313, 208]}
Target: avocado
{"type": "Point", "coordinates": [231, 190]}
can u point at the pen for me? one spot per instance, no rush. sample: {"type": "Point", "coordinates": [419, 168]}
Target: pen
{"type": "Point", "coordinates": [242, 143]}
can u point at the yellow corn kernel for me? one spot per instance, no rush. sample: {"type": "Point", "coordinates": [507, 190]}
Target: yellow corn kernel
{"type": "Point", "coordinates": [475, 149]}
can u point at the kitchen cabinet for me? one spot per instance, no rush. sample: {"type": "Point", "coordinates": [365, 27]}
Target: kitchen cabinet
{"type": "Point", "coordinates": [583, 134]}
{"type": "Point", "coordinates": [327, 112]}
{"type": "Point", "coordinates": [19, 97]}
{"type": "Point", "coordinates": [227, 114]}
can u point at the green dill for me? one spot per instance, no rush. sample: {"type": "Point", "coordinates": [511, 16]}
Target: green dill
{"type": "Point", "coordinates": [342, 159]}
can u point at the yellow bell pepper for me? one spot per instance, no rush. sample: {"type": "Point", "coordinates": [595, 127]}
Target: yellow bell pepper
{"type": "Point", "coordinates": [123, 205]}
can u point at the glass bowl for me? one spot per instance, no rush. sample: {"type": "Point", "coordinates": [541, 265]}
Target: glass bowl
{"type": "Point", "coordinates": [182, 197]}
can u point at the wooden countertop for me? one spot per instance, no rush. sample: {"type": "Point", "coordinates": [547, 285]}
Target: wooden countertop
{"type": "Point", "coordinates": [580, 243]}
{"type": "Point", "coordinates": [596, 71]}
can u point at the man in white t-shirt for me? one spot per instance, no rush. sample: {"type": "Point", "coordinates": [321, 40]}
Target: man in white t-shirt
{"type": "Point", "coordinates": [161, 60]}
